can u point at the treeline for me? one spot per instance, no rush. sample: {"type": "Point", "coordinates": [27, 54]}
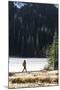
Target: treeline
{"type": "Point", "coordinates": [31, 29]}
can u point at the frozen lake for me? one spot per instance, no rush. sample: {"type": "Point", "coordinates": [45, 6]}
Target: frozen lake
{"type": "Point", "coordinates": [33, 64]}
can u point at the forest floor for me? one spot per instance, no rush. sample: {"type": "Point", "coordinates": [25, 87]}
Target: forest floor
{"type": "Point", "coordinates": [33, 79]}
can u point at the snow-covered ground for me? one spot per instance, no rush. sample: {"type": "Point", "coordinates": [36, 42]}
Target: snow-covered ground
{"type": "Point", "coordinates": [33, 64]}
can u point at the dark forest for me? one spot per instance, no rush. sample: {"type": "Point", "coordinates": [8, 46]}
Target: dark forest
{"type": "Point", "coordinates": [31, 29]}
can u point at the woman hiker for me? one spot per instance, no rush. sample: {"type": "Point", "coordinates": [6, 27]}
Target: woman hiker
{"type": "Point", "coordinates": [24, 66]}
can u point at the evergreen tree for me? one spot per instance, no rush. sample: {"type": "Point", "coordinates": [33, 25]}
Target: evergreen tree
{"type": "Point", "coordinates": [53, 54]}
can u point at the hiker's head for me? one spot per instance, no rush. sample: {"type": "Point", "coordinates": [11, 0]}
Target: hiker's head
{"type": "Point", "coordinates": [24, 60]}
